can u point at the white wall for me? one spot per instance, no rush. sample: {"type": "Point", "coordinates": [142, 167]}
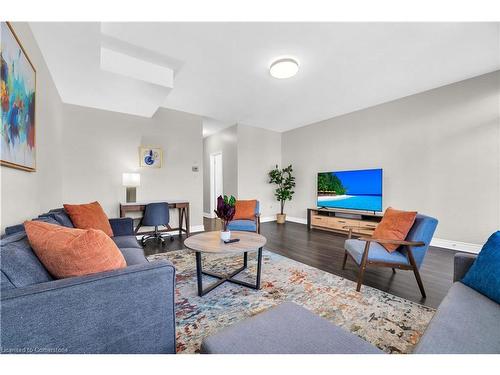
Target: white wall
{"type": "Point", "coordinates": [100, 145]}
{"type": "Point", "coordinates": [26, 194]}
{"type": "Point", "coordinates": [440, 151]}
{"type": "Point", "coordinates": [259, 150]}
{"type": "Point", "coordinates": [248, 153]}
{"type": "Point", "coordinates": [224, 141]}
{"type": "Point", "coordinates": [82, 153]}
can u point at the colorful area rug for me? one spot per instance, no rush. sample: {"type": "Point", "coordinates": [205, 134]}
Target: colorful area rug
{"type": "Point", "coordinates": [391, 323]}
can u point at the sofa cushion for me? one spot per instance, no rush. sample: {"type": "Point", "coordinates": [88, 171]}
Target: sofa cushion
{"type": "Point", "coordinates": [286, 329]}
{"type": "Point", "coordinates": [133, 256]}
{"type": "Point", "coordinates": [5, 283]}
{"type": "Point", "coordinates": [244, 225]}
{"type": "Point", "coordinates": [123, 226]}
{"type": "Point", "coordinates": [20, 227]}
{"type": "Point", "coordinates": [19, 264]}
{"type": "Point", "coordinates": [465, 322]}
{"type": "Point", "coordinates": [14, 229]}
{"type": "Point", "coordinates": [61, 217]}
{"type": "Point", "coordinates": [68, 252]}
{"type": "Point", "coordinates": [47, 219]}
{"type": "Point", "coordinates": [126, 241]}
{"type": "Point", "coordinates": [377, 252]}
{"type": "Point", "coordinates": [89, 216]}
{"type": "Point", "coordinates": [484, 274]}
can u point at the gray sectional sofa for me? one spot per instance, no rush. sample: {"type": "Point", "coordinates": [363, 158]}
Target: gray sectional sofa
{"type": "Point", "coordinates": [124, 311]}
{"type": "Point", "coordinates": [465, 322]}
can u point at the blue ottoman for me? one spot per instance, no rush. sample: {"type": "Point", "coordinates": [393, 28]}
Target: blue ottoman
{"type": "Point", "coordinates": [286, 329]}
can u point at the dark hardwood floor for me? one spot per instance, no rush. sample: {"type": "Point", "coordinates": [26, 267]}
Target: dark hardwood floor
{"type": "Point", "coordinates": [324, 250]}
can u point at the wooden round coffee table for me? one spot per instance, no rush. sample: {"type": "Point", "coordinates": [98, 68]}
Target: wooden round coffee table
{"type": "Point", "coordinates": [210, 242]}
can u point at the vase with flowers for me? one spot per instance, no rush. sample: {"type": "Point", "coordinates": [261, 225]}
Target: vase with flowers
{"type": "Point", "coordinates": [225, 212]}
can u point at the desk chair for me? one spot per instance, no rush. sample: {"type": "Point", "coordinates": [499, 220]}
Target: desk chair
{"type": "Point", "coordinates": [156, 214]}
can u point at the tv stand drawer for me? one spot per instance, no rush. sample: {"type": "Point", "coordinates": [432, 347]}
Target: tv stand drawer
{"type": "Point", "coordinates": [339, 224]}
{"type": "Point", "coordinates": [320, 221]}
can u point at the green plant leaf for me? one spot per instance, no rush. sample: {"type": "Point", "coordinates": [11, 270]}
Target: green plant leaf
{"type": "Point", "coordinates": [232, 201]}
{"type": "Point", "coordinates": [285, 183]}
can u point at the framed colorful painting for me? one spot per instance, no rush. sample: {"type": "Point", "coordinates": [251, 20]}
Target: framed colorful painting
{"type": "Point", "coordinates": [150, 156]}
{"type": "Point", "coordinates": [18, 88]}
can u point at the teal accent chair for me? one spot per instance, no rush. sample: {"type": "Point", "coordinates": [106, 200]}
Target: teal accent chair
{"type": "Point", "coordinates": [408, 256]}
{"type": "Point", "coordinates": [247, 225]}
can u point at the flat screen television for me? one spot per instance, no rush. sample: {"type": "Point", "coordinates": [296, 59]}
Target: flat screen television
{"type": "Point", "coordinates": [352, 190]}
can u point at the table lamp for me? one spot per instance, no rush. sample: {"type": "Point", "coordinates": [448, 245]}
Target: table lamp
{"type": "Point", "coordinates": [131, 181]}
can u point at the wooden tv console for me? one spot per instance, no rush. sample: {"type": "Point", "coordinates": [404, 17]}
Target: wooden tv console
{"type": "Point", "coordinates": [335, 220]}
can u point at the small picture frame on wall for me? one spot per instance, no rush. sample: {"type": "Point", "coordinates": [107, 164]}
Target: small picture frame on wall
{"type": "Point", "coordinates": [151, 157]}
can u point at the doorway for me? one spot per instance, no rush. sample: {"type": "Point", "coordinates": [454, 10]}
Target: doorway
{"type": "Point", "coordinates": [216, 179]}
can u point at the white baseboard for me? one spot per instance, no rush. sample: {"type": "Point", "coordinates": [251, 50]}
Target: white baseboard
{"type": "Point", "coordinates": [292, 219]}
{"type": "Point", "coordinates": [267, 219]}
{"type": "Point", "coordinates": [299, 220]}
{"type": "Point", "coordinates": [197, 228]}
{"type": "Point", "coordinates": [456, 245]}
{"type": "Point", "coordinates": [208, 215]}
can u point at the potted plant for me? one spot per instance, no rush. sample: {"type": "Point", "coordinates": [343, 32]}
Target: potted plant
{"type": "Point", "coordinates": [286, 182]}
{"type": "Point", "coordinates": [225, 211]}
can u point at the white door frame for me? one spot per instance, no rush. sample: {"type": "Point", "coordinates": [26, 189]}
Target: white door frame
{"type": "Point", "coordinates": [213, 179]}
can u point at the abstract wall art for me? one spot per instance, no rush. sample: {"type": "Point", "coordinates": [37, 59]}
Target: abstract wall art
{"type": "Point", "coordinates": [18, 87]}
{"type": "Point", "coordinates": [150, 156]}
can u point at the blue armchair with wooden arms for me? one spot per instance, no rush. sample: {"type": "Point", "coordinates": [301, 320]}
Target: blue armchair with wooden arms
{"type": "Point", "coordinates": [408, 256]}
{"type": "Point", "coordinates": [246, 221]}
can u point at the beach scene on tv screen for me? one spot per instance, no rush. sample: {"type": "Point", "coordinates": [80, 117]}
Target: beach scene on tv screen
{"type": "Point", "coordinates": [354, 190]}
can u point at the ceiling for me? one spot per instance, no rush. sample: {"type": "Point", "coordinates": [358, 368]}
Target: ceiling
{"type": "Point", "coordinates": [221, 70]}
{"type": "Point", "coordinates": [212, 126]}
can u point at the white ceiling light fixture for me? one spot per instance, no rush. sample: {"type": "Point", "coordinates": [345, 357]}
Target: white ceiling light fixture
{"type": "Point", "coordinates": [284, 68]}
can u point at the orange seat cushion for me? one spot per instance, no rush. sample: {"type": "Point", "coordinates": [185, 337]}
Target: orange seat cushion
{"type": "Point", "coordinates": [68, 252]}
{"type": "Point", "coordinates": [395, 225]}
{"type": "Point", "coordinates": [245, 210]}
{"type": "Point", "coordinates": [89, 216]}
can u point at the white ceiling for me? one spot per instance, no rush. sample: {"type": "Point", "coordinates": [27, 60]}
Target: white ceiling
{"type": "Point", "coordinates": [212, 126]}
{"type": "Point", "coordinates": [221, 69]}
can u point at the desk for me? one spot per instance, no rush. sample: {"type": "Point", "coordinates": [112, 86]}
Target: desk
{"type": "Point", "coordinates": [181, 205]}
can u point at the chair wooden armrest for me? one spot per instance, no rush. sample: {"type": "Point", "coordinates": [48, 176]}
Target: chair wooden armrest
{"type": "Point", "coordinates": [394, 242]}
{"type": "Point", "coordinates": [257, 221]}
{"type": "Point", "coordinates": [357, 227]}
{"type": "Point", "coordinates": [350, 228]}
{"type": "Point", "coordinates": [367, 228]}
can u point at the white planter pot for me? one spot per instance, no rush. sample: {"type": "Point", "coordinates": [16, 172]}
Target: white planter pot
{"type": "Point", "coordinates": [225, 236]}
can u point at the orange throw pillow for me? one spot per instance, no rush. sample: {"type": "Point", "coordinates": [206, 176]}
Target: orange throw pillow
{"type": "Point", "coordinates": [68, 252]}
{"type": "Point", "coordinates": [395, 225]}
{"type": "Point", "coordinates": [89, 216]}
{"type": "Point", "coordinates": [245, 210]}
